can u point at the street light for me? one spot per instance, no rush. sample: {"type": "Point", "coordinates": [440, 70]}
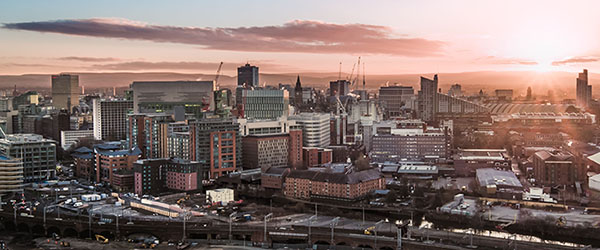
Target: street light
{"type": "Point", "coordinates": [265, 235]}
{"type": "Point", "coordinates": [309, 225]}
{"type": "Point", "coordinates": [230, 216]}
{"type": "Point", "coordinates": [184, 218]}
{"type": "Point", "coordinates": [333, 224]}
{"type": "Point", "coordinates": [375, 231]}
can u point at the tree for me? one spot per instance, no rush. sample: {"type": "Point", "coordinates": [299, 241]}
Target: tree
{"type": "Point", "coordinates": [362, 163]}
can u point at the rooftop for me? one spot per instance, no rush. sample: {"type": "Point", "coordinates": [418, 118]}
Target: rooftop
{"type": "Point", "coordinates": [500, 178]}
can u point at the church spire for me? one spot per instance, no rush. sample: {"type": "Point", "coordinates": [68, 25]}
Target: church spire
{"type": "Point", "coordinates": [298, 84]}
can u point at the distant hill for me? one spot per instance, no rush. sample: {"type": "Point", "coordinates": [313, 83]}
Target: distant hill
{"type": "Point", "coordinates": [562, 83]}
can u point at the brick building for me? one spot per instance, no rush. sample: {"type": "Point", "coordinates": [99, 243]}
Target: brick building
{"type": "Point", "coordinates": [272, 150]}
{"type": "Point", "coordinates": [348, 185]}
{"type": "Point", "coordinates": [274, 177]}
{"type": "Point", "coordinates": [314, 157]}
{"type": "Point", "coordinates": [155, 176]}
{"type": "Point", "coordinates": [552, 168]}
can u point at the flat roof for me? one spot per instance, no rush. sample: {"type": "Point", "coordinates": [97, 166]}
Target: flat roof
{"type": "Point", "coordinates": [490, 176]}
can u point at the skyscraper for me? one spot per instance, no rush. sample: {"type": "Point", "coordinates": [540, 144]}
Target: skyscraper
{"type": "Point", "coordinates": [584, 91]}
{"type": "Point", "coordinates": [65, 91]}
{"type": "Point", "coordinates": [428, 98]}
{"type": "Point", "coordinates": [110, 119]}
{"type": "Point", "coordinates": [341, 87]}
{"type": "Point", "coordinates": [248, 75]}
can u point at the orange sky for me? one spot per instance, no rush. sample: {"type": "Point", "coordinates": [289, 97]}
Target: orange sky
{"type": "Point", "coordinates": [305, 36]}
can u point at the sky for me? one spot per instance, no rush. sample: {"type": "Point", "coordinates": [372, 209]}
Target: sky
{"type": "Point", "coordinates": [391, 37]}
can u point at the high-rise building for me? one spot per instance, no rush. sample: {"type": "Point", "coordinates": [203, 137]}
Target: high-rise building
{"type": "Point", "coordinates": [110, 119]}
{"type": "Point", "coordinates": [263, 103]}
{"type": "Point", "coordinates": [273, 150]}
{"type": "Point", "coordinates": [315, 128]}
{"type": "Point", "coordinates": [584, 90]}
{"type": "Point", "coordinates": [248, 76]}
{"type": "Point", "coordinates": [11, 175]}
{"type": "Point", "coordinates": [218, 145]}
{"type": "Point", "coordinates": [428, 98]}
{"type": "Point", "coordinates": [339, 87]}
{"type": "Point", "coordinates": [396, 100]}
{"type": "Point", "coordinates": [434, 105]}
{"type": "Point", "coordinates": [298, 93]}
{"type": "Point", "coordinates": [196, 97]}
{"type": "Point", "coordinates": [37, 153]}
{"type": "Point", "coordinates": [181, 141]}
{"type": "Point", "coordinates": [65, 91]}
{"type": "Point", "coordinates": [149, 132]}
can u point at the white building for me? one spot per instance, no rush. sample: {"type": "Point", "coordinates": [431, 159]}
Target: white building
{"type": "Point", "coordinates": [315, 128]}
{"type": "Point", "coordinates": [594, 182]}
{"type": "Point", "coordinates": [264, 127]}
{"type": "Point", "coordinates": [37, 153]}
{"type": "Point", "coordinates": [110, 119]}
{"type": "Point", "coordinates": [221, 195]}
{"type": "Point", "coordinates": [71, 137]}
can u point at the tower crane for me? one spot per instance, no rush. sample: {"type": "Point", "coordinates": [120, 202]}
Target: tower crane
{"type": "Point", "coordinates": [217, 76]}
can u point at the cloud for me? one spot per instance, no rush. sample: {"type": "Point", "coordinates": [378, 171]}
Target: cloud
{"type": "Point", "coordinates": [574, 60]}
{"type": "Point", "coordinates": [500, 60]}
{"type": "Point", "coordinates": [299, 36]}
{"type": "Point", "coordinates": [88, 59]}
{"type": "Point", "coordinates": [199, 66]}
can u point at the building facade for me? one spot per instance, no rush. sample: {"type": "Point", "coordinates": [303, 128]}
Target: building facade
{"type": "Point", "coordinates": [247, 75]}
{"type": "Point", "coordinates": [37, 153]}
{"type": "Point", "coordinates": [263, 103]}
{"type": "Point", "coordinates": [583, 90]}
{"type": "Point", "coordinates": [196, 97]}
{"type": "Point", "coordinates": [315, 128]}
{"type": "Point", "coordinates": [65, 91]}
{"type": "Point", "coordinates": [315, 157]}
{"type": "Point", "coordinates": [156, 176]}
{"type": "Point", "coordinates": [69, 138]}
{"type": "Point", "coordinates": [110, 119]}
{"type": "Point", "coordinates": [396, 99]}
{"type": "Point", "coordinates": [11, 175]}
{"type": "Point", "coordinates": [344, 186]}
{"type": "Point", "coordinates": [218, 145]}
{"type": "Point", "coordinates": [553, 168]}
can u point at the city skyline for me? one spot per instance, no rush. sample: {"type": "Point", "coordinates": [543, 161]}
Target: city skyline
{"type": "Point", "coordinates": [391, 38]}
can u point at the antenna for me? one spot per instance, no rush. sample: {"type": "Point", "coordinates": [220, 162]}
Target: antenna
{"type": "Point", "coordinates": [339, 74]}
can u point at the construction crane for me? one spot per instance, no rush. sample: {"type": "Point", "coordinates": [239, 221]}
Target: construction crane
{"type": "Point", "coordinates": [217, 76]}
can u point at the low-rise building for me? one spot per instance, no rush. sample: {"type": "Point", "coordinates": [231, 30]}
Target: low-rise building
{"type": "Point", "coordinates": [156, 176]}
{"type": "Point", "coordinates": [274, 178]}
{"type": "Point", "coordinates": [554, 168]}
{"type": "Point", "coordinates": [110, 159]}
{"type": "Point", "coordinates": [499, 182]}
{"type": "Point", "coordinates": [467, 161]}
{"type": "Point", "coordinates": [348, 185]}
{"type": "Point", "coordinates": [221, 195]}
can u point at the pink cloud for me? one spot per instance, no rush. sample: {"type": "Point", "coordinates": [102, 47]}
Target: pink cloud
{"type": "Point", "coordinates": [299, 36]}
